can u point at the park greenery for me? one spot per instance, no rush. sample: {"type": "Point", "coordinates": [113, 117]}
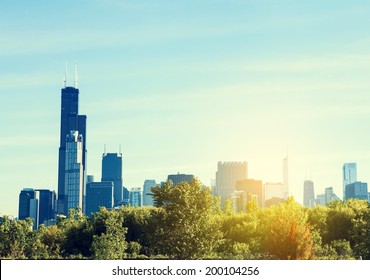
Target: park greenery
{"type": "Point", "coordinates": [187, 222]}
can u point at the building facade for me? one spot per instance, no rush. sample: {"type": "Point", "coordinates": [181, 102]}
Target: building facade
{"type": "Point", "coordinates": [356, 190]}
{"type": "Point", "coordinates": [136, 197]}
{"type": "Point", "coordinates": [252, 187]}
{"type": "Point", "coordinates": [98, 194]}
{"type": "Point", "coordinates": [74, 172]}
{"type": "Point", "coordinates": [147, 197]}
{"type": "Point", "coordinates": [112, 172]}
{"type": "Point", "coordinates": [228, 173]}
{"type": "Point", "coordinates": [179, 178]}
{"type": "Point", "coordinates": [308, 194]}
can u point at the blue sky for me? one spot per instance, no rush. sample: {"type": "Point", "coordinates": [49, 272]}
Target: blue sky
{"type": "Point", "coordinates": [182, 85]}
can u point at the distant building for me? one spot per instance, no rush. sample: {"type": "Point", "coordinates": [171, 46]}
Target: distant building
{"type": "Point", "coordinates": [39, 205]}
{"type": "Point", "coordinates": [136, 197]}
{"type": "Point", "coordinates": [98, 194]}
{"type": "Point", "coordinates": [349, 175]}
{"type": "Point", "coordinates": [47, 204]}
{"type": "Point", "coordinates": [147, 197]}
{"type": "Point", "coordinates": [239, 201]}
{"type": "Point", "coordinates": [308, 194]}
{"type": "Point", "coordinates": [179, 178]}
{"type": "Point", "coordinates": [275, 191]}
{"type": "Point", "coordinates": [330, 195]}
{"type": "Point", "coordinates": [112, 172]}
{"type": "Point", "coordinates": [74, 172]}
{"type": "Point", "coordinates": [228, 173]}
{"type": "Point", "coordinates": [357, 190]}
{"type": "Point", "coordinates": [253, 187]}
{"type": "Point", "coordinates": [273, 201]}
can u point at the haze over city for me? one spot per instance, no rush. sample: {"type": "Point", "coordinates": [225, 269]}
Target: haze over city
{"type": "Point", "coordinates": [181, 86]}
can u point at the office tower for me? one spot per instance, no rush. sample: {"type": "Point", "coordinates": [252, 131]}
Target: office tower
{"type": "Point", "coordinates": [89, 179]}
{"type": "Point", "coordinates": [178, 178]}
{"type": "Point", "coordinates": [70, 121]}
{"type": "Point", "coordinates": [136, 197]}
{"type": "Point", "coordinates": [74, 173]}
{"type": "Point", "coordinates": [308, 194]}
{"type": "Point", "coordinates": [226, 176]}
{"type": "Point", "coordinates": [147, 197]}
{"type": "Point", "coordinates": [349, 175]}
{"type": "Point", "coordinates": [39, 205]}
{"type": "Point", "coordinates": [320, 199]}
{"type": "Point", "coordinates": [47, 206]}
{"type": "Point", "coordinates": [112, 172]}
{"type": "Point", "coordinates": [356, 190]}
{"type": "Point", "coordinates": [98, 194]}
{"type": "Point", "coordinates": [25, 197]}
{"type": "Point", "coordinates": [285, 177]}
{"type": "Point", "coordinates": [252, 187]}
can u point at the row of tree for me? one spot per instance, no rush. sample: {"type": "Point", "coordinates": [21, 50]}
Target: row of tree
{"type": "Point", "coordinates": [188, 223]}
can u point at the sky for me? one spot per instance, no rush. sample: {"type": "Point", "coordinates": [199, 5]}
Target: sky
{"type": "Point", "coordinates": [181, 85]}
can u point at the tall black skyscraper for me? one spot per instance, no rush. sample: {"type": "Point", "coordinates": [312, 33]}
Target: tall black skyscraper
{"type": "Point", "coordinates": [70, 120]}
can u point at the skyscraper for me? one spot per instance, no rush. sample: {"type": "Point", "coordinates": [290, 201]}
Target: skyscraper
{"type": "Point", "coordinates": [136, 197]}
{"type": "Point", "coordinates": [147, 191]}
{"type": "Point", "coordinates": [308, 194]}
{"type": "Point", "coordinates": [112, 172]}
{"type": "Point", "coordinates": [24, 203]}
{"type": "Point", "coordinates": [70, 121]}
{"type": "Point", "coordinates": [349, 175]}
{"type": "Point", "coordinates": [226, 176]}
{"type": "Point", "coordinates": [74, 173]}
{"type": "Point", "coordinates": [252, 187]}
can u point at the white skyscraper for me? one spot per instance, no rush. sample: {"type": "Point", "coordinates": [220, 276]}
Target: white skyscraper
{"type": "Point", "coordinates": [226, 176]}
{"type": "Point", "coordinates": [349, 175]}
{"type": "Point", "coordinates": [74, 170]}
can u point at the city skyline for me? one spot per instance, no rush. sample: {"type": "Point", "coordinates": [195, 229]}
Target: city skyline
{"type": "Point", "coordinates": [182, 86]}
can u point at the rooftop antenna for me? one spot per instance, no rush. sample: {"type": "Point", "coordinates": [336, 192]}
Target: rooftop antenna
{"type": "Point", "coordinates": [120, 148]}
{"type": "Point", "coordinates": [65, 75]}
{"type": "Point", "coordinates": [105, 149]}
{"type": "Point", "coordinates": [76, 77]}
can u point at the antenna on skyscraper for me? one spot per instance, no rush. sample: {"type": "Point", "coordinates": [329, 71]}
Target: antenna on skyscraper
{"type": "Point", "coordinates": [76, 77]}
{"type": "Point", "coordinates": [105, 148]}
{"type": "Point", "coordinates": [65, 75]}
{"type": "Point", "coordinates": [120, 148]}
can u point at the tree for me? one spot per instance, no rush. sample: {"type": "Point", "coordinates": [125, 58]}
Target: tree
{"type": "Point", "coordinates": [185, 226]}
{"type": "Point", "coordinates": [287, 233]}
{"type": "Point", "coordinates": [109, 243]}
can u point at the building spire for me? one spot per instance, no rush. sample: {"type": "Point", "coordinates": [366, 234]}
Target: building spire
{"type": "Point", "coordinates": [76, 77]}
{"type": "Point", "coordinates": [65, 75]}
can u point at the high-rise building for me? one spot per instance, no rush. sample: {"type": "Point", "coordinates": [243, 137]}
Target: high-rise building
{"type": "Point", "coordinates": [136, 197]}
{"type": "Point", "coordinates": [112, 172]}
{"type": "Point", "coordinates": [179, 178]}
{"type": "Point", "coordinates": [147, 197]}
{"type": "Point", "coordinates": [39, 205]}
{"type": "Point", "coordinates": [239, 201]}
{"type": "Point", "coordinates": [25, 197]}
{"type": "Point", "coordinates": [308, 194]}
{"type": "Point", "coordinates": [74, 173]}
{"type": "Point", "coordinates": [228, 173]}
{"type": "Point", "coordinates": [356, 190]}
{"type": "Point", "coordinates": [252, 187]}
{"type": "Point", "coordinates": [70, 121]}
{"type": "Point", "coordinates": [98, 194]}
{"type": "Point", "coordinates": [349, 175]}
{"type": "Point", "coordinates": [47, 206]}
